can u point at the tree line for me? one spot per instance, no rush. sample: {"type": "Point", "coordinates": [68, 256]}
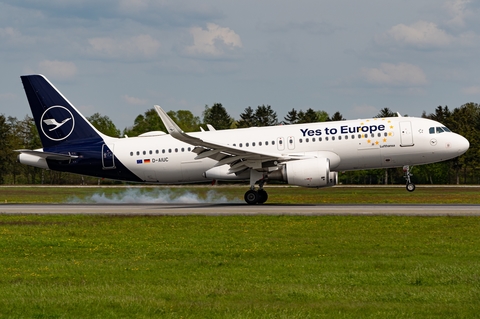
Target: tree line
{"type": "Point", "coordinates": [465, 120]}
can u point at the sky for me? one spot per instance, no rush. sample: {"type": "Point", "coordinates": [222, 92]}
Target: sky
{"type": "Point", "coordinates": [121, 57]}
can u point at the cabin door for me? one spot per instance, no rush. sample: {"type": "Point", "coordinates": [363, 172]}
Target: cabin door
{"type": "Point", "coordinates": [108, 158]}
{"type": "Point", "coordinates": [406, 136]}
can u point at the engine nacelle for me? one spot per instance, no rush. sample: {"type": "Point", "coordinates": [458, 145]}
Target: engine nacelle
{"type": "Point", "coordinates": [312, 172]}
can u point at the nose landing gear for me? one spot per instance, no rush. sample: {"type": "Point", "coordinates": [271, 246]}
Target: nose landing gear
{"type": "Point", "coordinates": [410, 186]}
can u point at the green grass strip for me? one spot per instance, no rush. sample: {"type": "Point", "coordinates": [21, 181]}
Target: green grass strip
{"type": "Point", "coordinates": [239, 267]}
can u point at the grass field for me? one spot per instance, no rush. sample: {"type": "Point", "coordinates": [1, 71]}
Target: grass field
{"type": "Point", "coordinates": [241, 266]}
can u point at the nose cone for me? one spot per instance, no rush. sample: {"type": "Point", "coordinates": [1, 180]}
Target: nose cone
{"type": "Point", "coordinates": [462, 144]}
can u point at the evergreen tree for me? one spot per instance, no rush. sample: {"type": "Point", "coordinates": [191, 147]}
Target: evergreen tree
{"type": "Point", "coordinates": [385, 112]}
{"type": "Point", "coordinates": [265, 116]}
{"type": "Point", "coordinates": [310, 116]}
{"type": "Point", "coordinates": [291, 117]}
{"type": "Point", "coordinates": [337, 116]}
{"type": "Point", "coordinates": [217, 116]}
{"type": "Point", "coordinates": [247, 118]}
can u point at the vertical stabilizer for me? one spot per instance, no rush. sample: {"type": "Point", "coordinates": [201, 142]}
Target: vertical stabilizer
{"type": "Point", "coordinates": [57, 120]}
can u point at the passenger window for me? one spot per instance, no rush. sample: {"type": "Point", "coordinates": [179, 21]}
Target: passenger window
{"type": "Point", "coordinates": [326, 138]}
{"type": "Point", "coordinates": [300, 140]}
{"type": "Point", "coordinates": [253, 143]}
{"type": "Point", "coordinates": [273, 142]}
{"type": "Point", "coordinates": [131, 153]}
{"type": "Point", "coordinates": [266, 143]}
{"type": "Point", "coordinates": [333, 138]}
{"type": "Point", "coordinates": [247, 144]}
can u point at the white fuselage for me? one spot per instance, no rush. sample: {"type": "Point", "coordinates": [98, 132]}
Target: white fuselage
{"type": "Point", "coordinates": [356, 144]}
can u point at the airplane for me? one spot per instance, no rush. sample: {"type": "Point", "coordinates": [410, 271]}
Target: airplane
{"type": "Point", "coordinates": [308, 155]}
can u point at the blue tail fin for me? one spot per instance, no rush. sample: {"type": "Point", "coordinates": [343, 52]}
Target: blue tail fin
{"type": "Point", "coordinates": [57, 120]}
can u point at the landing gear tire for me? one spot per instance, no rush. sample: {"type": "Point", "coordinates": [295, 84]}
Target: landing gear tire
{"type": "Point", "coordinates": [252, 197]}
{"type": "Point", "coordinates": [262, 196]}
{"type": "Point", "coordinates": [410, 187]}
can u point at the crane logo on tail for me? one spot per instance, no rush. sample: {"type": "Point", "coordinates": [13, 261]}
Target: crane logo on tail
{"type": "Point", "coordinates": [57, 123]}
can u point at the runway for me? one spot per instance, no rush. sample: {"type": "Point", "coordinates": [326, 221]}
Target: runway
{"type": "Point", "coordinates": [241, 209]}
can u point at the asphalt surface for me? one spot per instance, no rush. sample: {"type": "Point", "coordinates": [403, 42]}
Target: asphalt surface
{"type": "Point", "coordinates": [241, 209]}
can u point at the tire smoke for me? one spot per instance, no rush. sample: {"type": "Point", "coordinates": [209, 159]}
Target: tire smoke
{"type": "Point", "coordinates": [154, 196]}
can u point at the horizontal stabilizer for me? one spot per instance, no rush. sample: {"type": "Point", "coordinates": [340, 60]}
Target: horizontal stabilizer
{"type": "Point", "coordinates": [48, 155]}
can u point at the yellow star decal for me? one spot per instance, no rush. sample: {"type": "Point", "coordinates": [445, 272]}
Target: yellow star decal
{"type": "Point", "coordinates": [391, 127]}
{"type": "Point", "coordinates": [384, 140]}
{"type": "Point", "coordinates": [390, 134]}
{"type": "Point", "coordinates": [369, 141]}
{"type": "Point", "coordinates": [376, 142]}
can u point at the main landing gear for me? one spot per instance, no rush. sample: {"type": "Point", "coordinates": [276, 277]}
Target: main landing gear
{"type": "Point", "coordinates": [253, 196]}
{"type": "Point", "coordinates": [410, 186]}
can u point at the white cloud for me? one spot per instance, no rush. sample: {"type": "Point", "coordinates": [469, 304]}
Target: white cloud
{"type": "Point", "coordinates": [58, 69]}
{"type": "Point", "coordinates": [422, 35]}
{"type": "Point", "coordinates": [213, 41]}
{"type": "Point", "coordinates": [134, 100]}
{"type": "Point", "coordinates": [471, 90]}
{"type": "Point", "coordinates": [141, 45]}
{"type": "Point", "coordinates": [402, 74]}
{"type": "Point", "coordinates": [458, 11]}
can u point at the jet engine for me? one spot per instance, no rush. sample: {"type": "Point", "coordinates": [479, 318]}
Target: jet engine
{"type": "Point", "coordinates": [312, 172]}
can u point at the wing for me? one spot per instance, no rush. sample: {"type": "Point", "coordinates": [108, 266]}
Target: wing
{"type": "Point", "coordinates": [238, 159]}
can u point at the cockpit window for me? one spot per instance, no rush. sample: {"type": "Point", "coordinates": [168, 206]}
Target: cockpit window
{"type": "Point", "coordinates": [438, 130]}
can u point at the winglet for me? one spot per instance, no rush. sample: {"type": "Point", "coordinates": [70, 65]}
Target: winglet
{"type": "Point", "coordinates": [174, 130]}
{"type": "Point", "coordinates": [170, 125]}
